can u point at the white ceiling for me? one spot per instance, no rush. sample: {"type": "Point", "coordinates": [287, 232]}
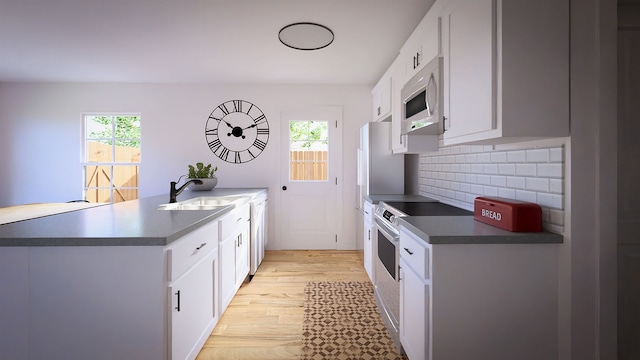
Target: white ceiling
{"type": "Point", "coordinates": [199, 41]}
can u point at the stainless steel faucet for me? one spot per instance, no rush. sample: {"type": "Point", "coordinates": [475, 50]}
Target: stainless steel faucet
{"type": "Point", "coordinates": [174, 192]}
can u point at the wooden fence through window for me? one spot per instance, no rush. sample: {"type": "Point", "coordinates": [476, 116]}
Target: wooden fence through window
{"type": "Point", "coordinates": [125, 177]}
{"type": "Point", "coordinates": [308, 165]}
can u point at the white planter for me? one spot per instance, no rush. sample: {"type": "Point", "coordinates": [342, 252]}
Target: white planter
{"type": "Point", "coordinates": [207, 184]}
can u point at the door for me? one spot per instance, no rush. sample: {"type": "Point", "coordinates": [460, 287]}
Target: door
{"type": "Point", "coordinates": [468, 35]}
{"type": "Point", "coordinates": [628, 179]}
{"type": "Point", "coordinates": [311, 156]}
{"type": "Point", "coordinates": [192, 307]}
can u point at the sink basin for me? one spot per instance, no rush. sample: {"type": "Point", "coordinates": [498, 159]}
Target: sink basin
{"type": "Point", "coordinates": [177, 206]}
{"type": "Point", "coordinates": [204, 203]}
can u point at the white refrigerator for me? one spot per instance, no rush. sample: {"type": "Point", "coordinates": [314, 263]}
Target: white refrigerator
{"type": "Point", "coordinates": [379, 171]}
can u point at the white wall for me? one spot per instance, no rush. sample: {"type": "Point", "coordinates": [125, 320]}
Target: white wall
{"type": "Point", "coordinates": [40, 136]}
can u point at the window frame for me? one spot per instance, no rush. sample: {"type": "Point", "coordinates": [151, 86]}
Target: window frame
{"type": "Point", "coordinates": [112, 188]}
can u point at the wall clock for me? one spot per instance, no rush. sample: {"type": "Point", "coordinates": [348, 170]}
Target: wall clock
{"type": "Point", "coordinates": [237, 131]}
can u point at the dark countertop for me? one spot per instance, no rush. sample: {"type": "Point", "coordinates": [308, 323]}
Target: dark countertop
{"type": "Point", "coordinates": [393, 197]}
{"type": "Point", "coordinates": [466, 230]}
{"type": "Point", "coordinates": [130, 223]}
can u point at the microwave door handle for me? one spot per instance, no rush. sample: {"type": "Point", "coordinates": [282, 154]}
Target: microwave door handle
{"type": "Point", "coordinates": [431, 86]}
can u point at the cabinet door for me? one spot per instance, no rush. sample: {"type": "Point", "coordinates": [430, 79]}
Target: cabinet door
{"type": "Point", "coordinates": [368, 248]}
{"type": "Point", "coordinates": [227, 277]}
{"type": "Point", "coordinates": [192, 308]}
{"type": "Point", "coordinates": [242, 254]}
{"type": "Point", "coordinates": [381, 94]}
{"type": "Point", "coordinates": [468, 46]}
{"type": "Point", "coordinates": [414, 313]}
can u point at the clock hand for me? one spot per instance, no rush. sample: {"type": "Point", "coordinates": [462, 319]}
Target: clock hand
{"type": "Point", "coordinates": [229, 125]}
{"type": "Point", "coordinates": [250, 126]}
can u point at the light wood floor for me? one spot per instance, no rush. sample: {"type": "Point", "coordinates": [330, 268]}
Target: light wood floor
{"type": "Point", "coordinates": [264, 319]}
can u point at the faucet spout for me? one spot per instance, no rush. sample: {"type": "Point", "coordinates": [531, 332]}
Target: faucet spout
{"type": "Point", "coordinates": [174, 192]}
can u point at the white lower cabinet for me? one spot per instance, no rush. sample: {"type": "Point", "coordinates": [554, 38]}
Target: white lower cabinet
{"type": "Point", "coordinates": [369, 244]}
{"type": "Point", "coordinates": [414, 306]}
{"type": "Point", "coordinates": [192, 290]}
{"type": "Point", "coordinates": [235, 230]}
{"type": "Point", "coordinates": [193, 307]}
{"type": "Point", "coordinates": [478, 301]}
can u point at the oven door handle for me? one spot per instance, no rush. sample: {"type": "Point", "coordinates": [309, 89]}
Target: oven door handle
{"type": "Point", "coordinates": [387, 231]}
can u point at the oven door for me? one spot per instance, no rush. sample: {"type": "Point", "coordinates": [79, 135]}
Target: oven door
{"type": "Point", "coordinates": [387, 287]}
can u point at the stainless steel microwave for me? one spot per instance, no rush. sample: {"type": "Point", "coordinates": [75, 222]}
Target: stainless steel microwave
{"type": "Point", "coordinates": [422, 101]}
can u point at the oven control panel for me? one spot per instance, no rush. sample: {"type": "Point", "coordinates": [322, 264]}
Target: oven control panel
{"type": "Point", "coordinates": [389, 216]}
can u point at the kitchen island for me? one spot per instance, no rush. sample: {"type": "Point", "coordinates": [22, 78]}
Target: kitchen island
{"type": "Point", "coordinates": [113, 281]}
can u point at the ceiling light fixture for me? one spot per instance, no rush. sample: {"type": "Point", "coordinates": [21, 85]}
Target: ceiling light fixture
{"type": "Point", "coordinates": [306, 36]}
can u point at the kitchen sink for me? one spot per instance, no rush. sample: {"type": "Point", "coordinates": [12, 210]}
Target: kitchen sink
{"type": "Point", "coordinates": [204, 203]}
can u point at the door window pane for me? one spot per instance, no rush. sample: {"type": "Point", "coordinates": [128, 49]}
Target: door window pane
{"type": "Point", "coordinates": [308, 150]}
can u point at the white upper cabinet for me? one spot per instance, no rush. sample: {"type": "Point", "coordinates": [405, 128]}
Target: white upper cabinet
{"type": "Point", "coordinates": [423, 45]}
{"type": "Point", "coordinates": [506, 70]}
{"type": "Point", "coordinates": [381, 94]}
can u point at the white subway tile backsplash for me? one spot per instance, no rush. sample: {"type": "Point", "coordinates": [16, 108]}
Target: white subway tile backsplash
{"type": "Point", "coordinates": [553, 201]}
{"type": "Point", "coordinates": [516, 182]}
{"type": "Point", "coordinates": [476, 189]}
{"type": "Point", "coordinates": [528, 196]}
{"type": "Point", "coordinates": [498, 157]}
{"type": "Point", "coordinates": [556, 155]}
{"type": "Point", "coordinates": [484, 158]}
{"type": "Point", "coordinates": [551, 170]}
{"type": "Point", "coordinates": [507, 193]}
{"type": "Point", "coordinates": [537, 184]}
{"type": "Point", "coordinates": [484, 179]}
{"type": "Point", "coordinates": [477, 168]}
{"type": "Point", "coordinates": [506, 169]}
{"type": "Point", "coordinates": [537, 155]}
{"type": "Point", "coordinates": [516, 156]}
{"type": "Point", "coordinates": [490, 168]}
{"type": "Point", "coordinates": [499, 181]}
{"type": "Point", "coordinates": [526, 169]}
{"type": "Point", "coordinates": [556, 186]}
{"type": "Point", "coordinates": [490, 191]}
{"type": "Point", "coordinates": [459, 174]}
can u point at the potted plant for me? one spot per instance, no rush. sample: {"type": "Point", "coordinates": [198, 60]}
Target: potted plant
{"type": "Point", "coordinates": [204, 173]}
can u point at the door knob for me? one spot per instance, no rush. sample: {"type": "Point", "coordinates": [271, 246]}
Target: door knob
{"type": "Point", "coordinates": [284, 188]}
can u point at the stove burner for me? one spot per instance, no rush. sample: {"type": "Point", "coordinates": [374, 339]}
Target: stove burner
{"type": "Point", "coordinates": [427, 209]}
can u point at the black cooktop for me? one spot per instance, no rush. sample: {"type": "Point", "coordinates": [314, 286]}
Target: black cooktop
{"type": "Point", "coordinates": [428, 209]}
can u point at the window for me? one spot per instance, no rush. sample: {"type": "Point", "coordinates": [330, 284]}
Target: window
{"type": "Point", "coordinates": [308, 150]}
{"type": "Point", "coordinates": [111, 157]}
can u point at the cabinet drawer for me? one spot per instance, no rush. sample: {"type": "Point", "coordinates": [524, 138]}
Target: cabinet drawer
{"type": "Point", "coordinates": [232, 221]}
{"type": "Point", "coordinates": [415, 252]}
{"type": "Point", "coordinates": [185, 252]}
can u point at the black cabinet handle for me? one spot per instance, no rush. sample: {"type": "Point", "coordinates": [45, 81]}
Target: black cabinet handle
{"type": "Point", "coordinates": [201, 246]}
{"type": "Point", "coordinates": [178, 295]}
{"type": "Point", "coordinates": [409, 251]}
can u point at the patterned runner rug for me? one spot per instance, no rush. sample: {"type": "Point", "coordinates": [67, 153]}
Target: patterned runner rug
{"type": "Point", "coordinates": [341, 322]}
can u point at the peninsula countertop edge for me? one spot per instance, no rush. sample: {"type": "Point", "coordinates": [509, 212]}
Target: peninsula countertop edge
{"type": "Point", "coordinates": [130, 223]}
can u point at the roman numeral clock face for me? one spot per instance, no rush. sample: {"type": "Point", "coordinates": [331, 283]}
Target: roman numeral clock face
{"type": "Point", "coordinates": [237, 131]}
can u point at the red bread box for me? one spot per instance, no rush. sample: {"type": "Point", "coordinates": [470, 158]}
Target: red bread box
{"type": "Point", "coordinates": [508, 214]}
